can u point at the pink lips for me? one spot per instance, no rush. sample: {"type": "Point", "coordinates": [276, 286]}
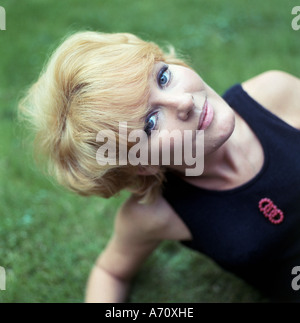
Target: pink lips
{"type": "Point", "coordinates": [206, 116]}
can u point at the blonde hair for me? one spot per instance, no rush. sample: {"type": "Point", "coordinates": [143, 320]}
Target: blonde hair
{"type": "Point", "coordinates": [92, 82]}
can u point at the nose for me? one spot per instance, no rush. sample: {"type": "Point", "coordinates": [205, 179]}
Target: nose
{"type": "Point", "coordinates": [185, 106]}
{"type": "Point", "coordinates": [181, 104]}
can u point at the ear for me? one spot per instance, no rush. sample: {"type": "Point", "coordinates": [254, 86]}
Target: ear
{"type": "Point", "coordinates": [147, 170]}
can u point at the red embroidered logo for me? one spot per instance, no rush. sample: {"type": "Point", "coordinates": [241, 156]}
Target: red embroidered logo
{"type": "Point", "coordinates": [270, 210]}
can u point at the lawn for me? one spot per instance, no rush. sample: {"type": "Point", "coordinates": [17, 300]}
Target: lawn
{"type": "Point", "coordinates": [49, 238]}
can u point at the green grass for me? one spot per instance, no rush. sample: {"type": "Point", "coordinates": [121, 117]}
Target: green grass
{"type": "Point", "coordinates": [49, 238]}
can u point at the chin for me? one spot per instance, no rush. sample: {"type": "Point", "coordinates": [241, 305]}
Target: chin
{"type": "Point", "coordinates": [219, 132]}
{"type": "Point", "coordinates": [228, 125]}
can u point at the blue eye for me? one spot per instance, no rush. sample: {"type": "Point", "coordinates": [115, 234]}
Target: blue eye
{"type": "Point", "coordinates": [151, 123]}
{"type": "Point", "coordinates": [163, 76]}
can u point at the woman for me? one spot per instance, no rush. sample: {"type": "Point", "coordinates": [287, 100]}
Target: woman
{"type": "Point", "coordinates": [242, 211]}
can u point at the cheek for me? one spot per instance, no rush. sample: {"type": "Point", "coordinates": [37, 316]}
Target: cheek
{"type": "Point", "coordinates": [223, 113]}
{"type": "Point", "coordinates": [220, 130]}
{"type": "Point", "coordinates": [223, 123]}
{"type": "Point", "coordinates": [197, 84]}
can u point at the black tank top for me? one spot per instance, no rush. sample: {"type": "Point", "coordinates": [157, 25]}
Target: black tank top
{"type": "Point", "coordinates": [252, 230]}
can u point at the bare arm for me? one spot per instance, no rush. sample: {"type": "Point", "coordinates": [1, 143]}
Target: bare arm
{"type": "Point", "coordinates": [131, 243]}
{"type": "Point", "coordinates": [111, 276]}
{"type": "Point", "coordinates": [104, 288]}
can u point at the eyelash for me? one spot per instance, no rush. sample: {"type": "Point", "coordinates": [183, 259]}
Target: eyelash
{"type": "Point", "coordinates": [161, 72]}
{"type": "Point", "coordinates": [148, 132]}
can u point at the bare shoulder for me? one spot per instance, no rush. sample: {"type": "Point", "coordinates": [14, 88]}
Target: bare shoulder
{"type": "Point", "coordinates": [275, 83]}
{"type": "Point", "coordinates": [277, 91]}
{"type": "Point", "coordinates": [157, 220]}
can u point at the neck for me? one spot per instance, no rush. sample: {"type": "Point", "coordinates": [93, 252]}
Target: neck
{"type": "Point", "coordinates": [222, 162]}
{"type": "Point", "coordinates": [231, 164]}
{"type": "Point", "coordinates": [235, 162]}
{"type": "Point", "coordinates": [219, 167]}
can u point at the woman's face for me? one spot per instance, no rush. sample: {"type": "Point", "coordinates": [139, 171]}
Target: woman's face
{"type": "Point", "coordinates": [180, 100]}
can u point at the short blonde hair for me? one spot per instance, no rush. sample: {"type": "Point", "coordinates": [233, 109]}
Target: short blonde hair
{"type": "Point", "coordinates": [92, 82]}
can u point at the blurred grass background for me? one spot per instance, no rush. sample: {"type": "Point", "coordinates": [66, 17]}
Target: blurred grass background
{"type": "Point", "coordinates": [49, 238]}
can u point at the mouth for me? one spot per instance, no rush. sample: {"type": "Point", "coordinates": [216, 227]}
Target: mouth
{"type": "Point", "coordinates": [206, 116]}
